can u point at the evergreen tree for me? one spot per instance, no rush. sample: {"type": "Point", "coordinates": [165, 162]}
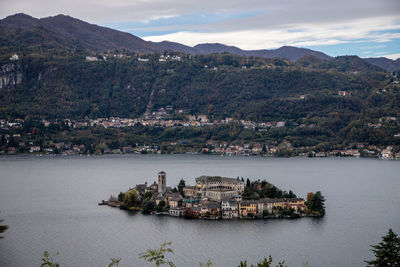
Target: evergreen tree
{"type": "Point", "coordinates": [121, 197]}
{"type": "Point", "coordinates": [387, 252]}
{"type": "Point", "coordinates": [147, 206]}
{"type": "Point", "coordinates": [316, 203]}
{"type": "Point", "coordinates": [3, 228]}
{"type": "Point", "coordinates": [181, 185]}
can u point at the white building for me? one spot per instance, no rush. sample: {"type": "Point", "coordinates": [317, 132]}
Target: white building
{"type": "Point", "coordinates": [229, 209]}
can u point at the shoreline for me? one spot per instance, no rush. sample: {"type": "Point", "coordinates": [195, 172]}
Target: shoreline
{"type": "Point", "coordinates": [188, 154]}
{"type": "Point", "coordinates": [255, 218]}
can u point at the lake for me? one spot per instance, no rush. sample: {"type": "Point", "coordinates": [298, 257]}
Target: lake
{"type": "Point", "coordinates": [50, 203]}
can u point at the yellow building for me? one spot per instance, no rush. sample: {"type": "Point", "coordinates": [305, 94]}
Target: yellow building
{"type": "Point", "coordinates": [247, 206]}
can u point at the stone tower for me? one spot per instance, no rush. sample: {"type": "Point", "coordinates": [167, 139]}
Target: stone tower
{"type": "Point", "coordinates": [162, 182]}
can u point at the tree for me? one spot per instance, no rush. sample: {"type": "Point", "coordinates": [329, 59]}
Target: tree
{"type": "Point", "coordinates": [158, 255]}
{"type": "Point", "coordinates": [264, 148]}
{"type": "Point", "coordinates": [131, 198]}
{"type": "Point", "coordinates": [265, 213]}
{"type": "Point", "coordinates": [207, 264]}
{"type": "Point", "coordinates": [248, 182]}
{"type": "Point", "coordinates": [309, 197]}
{"type": "Point", "coordinates": [387, 252]}
{"type": "Point", "coordinates": [266, 262]}
{"type": "Point", "coordinates": [181, 185]}
{"type": "Point", "coordinates": [114, 262]}
{"type": "Point", "coordinates": [47, 260]}
{"type": "Point", "coordinates": [315, 203]}
{"type": "Point", "coordinates": [147, 206]}
{"type": "Point", "coordinates": [291, 194]}
{"type": "Point", "coordinates": [3, 228]}
{"type": "Point", "coordinates": [147, 195]}
{"type": "Point", "coordinates": [161, 203]}
{"type": "Point", "coordinates": [121, 197]}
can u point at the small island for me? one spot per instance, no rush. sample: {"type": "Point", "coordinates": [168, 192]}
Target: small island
{"type": "Point", "coordinates": [216, 197]}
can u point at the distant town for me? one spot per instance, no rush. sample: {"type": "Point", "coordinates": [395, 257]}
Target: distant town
{"type": "Point", "coordinates": [215, 197]}
{"type": "Point", "coordinates": [15, 141]}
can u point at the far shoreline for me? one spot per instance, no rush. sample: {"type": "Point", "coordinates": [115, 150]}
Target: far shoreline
{"type": "Point", "coordinates": [126, 155]}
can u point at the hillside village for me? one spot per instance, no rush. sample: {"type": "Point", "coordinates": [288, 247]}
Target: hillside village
{"type": "Point", "coordinates": [16, 140]}
{"type": "Point", "coordinates": [215, 197]}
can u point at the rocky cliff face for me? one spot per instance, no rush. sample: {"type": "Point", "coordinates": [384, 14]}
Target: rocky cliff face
{"type": "Point", "coordinates": [10, 75]}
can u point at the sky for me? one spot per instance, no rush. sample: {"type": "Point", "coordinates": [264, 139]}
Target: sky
{"type": "Point", "coordinates": [367, 28]}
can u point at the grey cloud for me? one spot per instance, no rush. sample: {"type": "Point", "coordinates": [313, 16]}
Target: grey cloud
{"type": "Point", "coordinates": [272, 14]}
{"type": "Point", "coordinates": [309, 12]}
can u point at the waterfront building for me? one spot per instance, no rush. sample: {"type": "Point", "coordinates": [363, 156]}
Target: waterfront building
{"type": "Point", "coordinates": [176, 212]}
{"type": "Point", "coordinates": [279, 203]}
{"type": "Point", "coordinates": [210, 208]}
{"type": "Point", "coordinates": [189, 191]}
{"type": "Point", "coordinates": [296, 203]}
{"type": "Point", "coordinates": [247, 206]}
{"type": "Point", "coordinates": [206, 183]}
{"type": "Point", "coordinates": [191, 202]}
{"type": "Point", "coordinates": [175, 202]}
{"type": "Point", "coordinates": [265, 204]}
{"type": "Point", "coordinates": [229, 209]}
{"type": "Point", "coordinates": [219, 194]}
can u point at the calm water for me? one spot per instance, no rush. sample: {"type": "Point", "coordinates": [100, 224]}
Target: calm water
{"type": "Point", "coordinates": [50, 203]}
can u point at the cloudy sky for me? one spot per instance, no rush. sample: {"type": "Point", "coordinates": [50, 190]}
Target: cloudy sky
{"type": "Point", "coordinates": [368, 28]}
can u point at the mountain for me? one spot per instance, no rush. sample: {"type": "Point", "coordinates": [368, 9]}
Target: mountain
{"type": "Point", "coordinates": [309, 60]}
{"type": "Point", "coordinates": [265, 90]}
{"type": "Point", "coordinates": [384, 63]}
{"type": "Point", "coordinates": [21, 32]}
{"type": "Point", "coordinates": [19, 21]}
{"type": "Point", "coordinates": [285, 52]}
{"type": "Point", "coordinates": [290, 53]}
{"type": "Point", "coordinates": [218, 48]}
{"type": "Point", "coordinates": [52, 78]}
{"type": "Point", "coordinates": [350, 64]}
{"type": "Point", "coordinates": [172, 46]}
{"type": "Point", "coordinates": [68, 29]}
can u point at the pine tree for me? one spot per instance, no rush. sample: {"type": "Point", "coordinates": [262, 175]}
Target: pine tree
{"type": "Point", "coordinates": [181, 185]}
{"type": "Point", "coordinates": [387, 252]}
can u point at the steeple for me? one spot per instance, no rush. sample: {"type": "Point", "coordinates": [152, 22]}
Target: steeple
{"type": "Point", "coordinates": [162, 182]}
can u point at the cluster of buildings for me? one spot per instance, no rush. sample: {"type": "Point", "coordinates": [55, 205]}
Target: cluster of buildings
{"type": "Point", "coordinates": [215, 197]}
{"type": "Point", "coordinates": [361, 151]}
{"type": "Point", "coordinates": [15, 140]}
{"type": "Point", "coordinates": [107, 56]}
{"type": "Point", "coordinates": [161, 118]}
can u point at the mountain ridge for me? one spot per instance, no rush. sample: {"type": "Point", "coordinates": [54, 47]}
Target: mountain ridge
{"type": "Point", "coordinates": [78, 34]}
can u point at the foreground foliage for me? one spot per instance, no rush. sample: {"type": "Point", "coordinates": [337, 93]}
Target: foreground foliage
{"type": "Point", "coordinates": [266, 262]}
{"type": "Point", "coordinates": [158, 255]}
{"type": "Point", "coordinates": [48, 261]}
{"type": "Point", "coordinates": [3, 228]}
{"type": "Point", "coordinates": [387, 252]}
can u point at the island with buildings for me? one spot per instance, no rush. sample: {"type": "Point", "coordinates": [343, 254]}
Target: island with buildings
{"type": "Point", "coordinates": [216, 197]}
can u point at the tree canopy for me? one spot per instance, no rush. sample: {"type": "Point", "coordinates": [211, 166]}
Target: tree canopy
{"type": "Point", "coordinates": [387, 252]}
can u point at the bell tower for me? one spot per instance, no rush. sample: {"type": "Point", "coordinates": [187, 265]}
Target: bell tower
{"type": "Point", "coordinates": [162, 182]}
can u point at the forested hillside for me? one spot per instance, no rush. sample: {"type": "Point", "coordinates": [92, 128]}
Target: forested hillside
{"type": "Point", "coordinates": [322, 103]}
{"type": "Point", "coordinates": [218, 85]}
